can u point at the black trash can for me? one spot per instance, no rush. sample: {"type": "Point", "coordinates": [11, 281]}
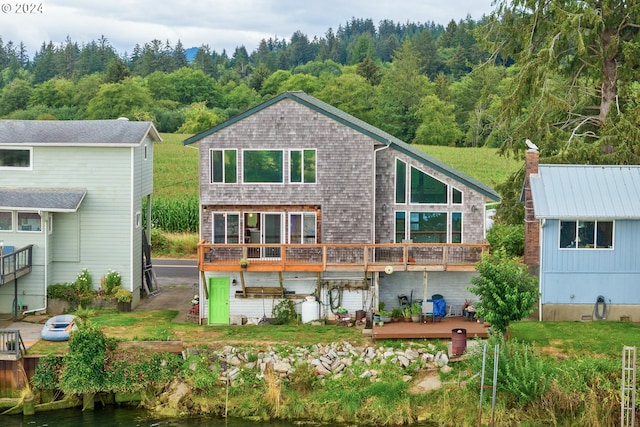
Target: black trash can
{"type": "Point", "coordinates": [458, 341]}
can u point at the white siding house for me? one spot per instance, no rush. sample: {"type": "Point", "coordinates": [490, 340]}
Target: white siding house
{"type": "Point", "coordinates": [75, 191]}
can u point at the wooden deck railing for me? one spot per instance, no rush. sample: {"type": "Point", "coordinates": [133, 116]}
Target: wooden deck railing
{"type": "Point", "coordinates": [340, 257]}
{"type": "Point", "coordinates": [15, 264]}
{"type": "Point", "coordinates": [11, 343]}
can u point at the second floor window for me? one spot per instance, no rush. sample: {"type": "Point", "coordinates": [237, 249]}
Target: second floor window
{"type": "Point", "coordinates": [303, 166]}
{"type": "Point", "coordinates": [263, 166]}
{"type": "Point", "coordinates": [223, 166]}
{"type": "Point", "coordinates": [15, 158]}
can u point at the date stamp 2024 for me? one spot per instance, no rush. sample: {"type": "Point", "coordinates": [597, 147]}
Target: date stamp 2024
{"type": "Point", "coordinates": [21, 8]}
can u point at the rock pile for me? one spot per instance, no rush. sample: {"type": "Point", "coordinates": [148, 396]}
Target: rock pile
{"type": "Point", "coordinates": [327, 360]}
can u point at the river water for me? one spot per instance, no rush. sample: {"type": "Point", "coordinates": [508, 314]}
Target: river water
{"type": "Point", "coordinates": [110, 416]}
{"type": "Point", "coordinates": [121, 417]}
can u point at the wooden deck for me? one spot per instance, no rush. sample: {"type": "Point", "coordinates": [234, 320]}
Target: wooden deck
{"type": "Point", "coordinates": [440, 329]}
{"type": "Point", "coordinates": [339, 257]}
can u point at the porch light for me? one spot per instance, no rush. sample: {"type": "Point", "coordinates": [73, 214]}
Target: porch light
{"type": "Point", "coordinates": [473, 208]}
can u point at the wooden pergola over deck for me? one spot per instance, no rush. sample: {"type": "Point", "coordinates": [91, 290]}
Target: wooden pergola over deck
{"type": "Point", "coordinates": [339, 257]}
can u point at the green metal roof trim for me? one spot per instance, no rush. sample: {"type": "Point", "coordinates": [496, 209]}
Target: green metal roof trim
{"type": "Point", "coordinates": [360, 126]}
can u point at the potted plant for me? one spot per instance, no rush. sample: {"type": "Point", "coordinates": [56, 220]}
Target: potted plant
{"type": "Point", "coordinates": [124, 298]}
{"type": "Point", "coordinates": [385, 316]}
{"type": "Point", "coordinates": [406, 314]}
{"type": "Point", "coordinates": [416, 310]}
{"type": "Point", "coordinates": [244, 263]}
{"type": "Point", "coordinates": [396, 314]}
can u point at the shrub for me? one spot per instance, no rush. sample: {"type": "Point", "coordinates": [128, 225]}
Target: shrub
{"type": "Point", "coordinates": [510, 237]}
{"type": "Point", "coordinates": [84, 363]}
{"type": "Point", "coordinates": [63, 291]}
{"type": "Point", "coordinates": [111, 282]}
{"type": "Point", "coordinates": [123, 295]}
{"type": "Point", "coordinates": [47, 374]}
{"type": "Point", "coordinates": [83, 282]}
{"type": "Point", "coordinates": [284, 312]}
{"type": "Point", "coordinates": [507, 292]}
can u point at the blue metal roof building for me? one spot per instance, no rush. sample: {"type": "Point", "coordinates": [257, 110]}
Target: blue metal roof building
{"type": "Point", "coordinates": [589, 216]}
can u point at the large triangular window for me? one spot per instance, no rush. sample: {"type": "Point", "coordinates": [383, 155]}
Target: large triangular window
{"type": "Point", "coordinates": [425, 189]}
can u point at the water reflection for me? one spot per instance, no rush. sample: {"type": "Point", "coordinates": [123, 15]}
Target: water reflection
{"type": "Point", "coordinates": [120, 417]}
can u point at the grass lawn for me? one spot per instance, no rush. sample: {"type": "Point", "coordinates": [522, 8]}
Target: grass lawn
{"type": "Point", "coordinates": [565, 339]}
{"type": "Point", "coordinates": [605, 338]}
{"type": "Point", "coordinates": [157, 325]}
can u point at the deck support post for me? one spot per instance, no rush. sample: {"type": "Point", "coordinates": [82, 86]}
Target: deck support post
{"type": "Point", "coordinates": [425, 280]}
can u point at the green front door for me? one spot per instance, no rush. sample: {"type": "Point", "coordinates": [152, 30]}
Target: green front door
{"type": "Point", "coordinates": [218, 300]}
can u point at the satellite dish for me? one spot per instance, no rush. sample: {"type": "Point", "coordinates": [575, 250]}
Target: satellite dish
{"type": "Point", "coordinates": [531, 145]}
{"type": "Point", "coordinates": [388, 269]}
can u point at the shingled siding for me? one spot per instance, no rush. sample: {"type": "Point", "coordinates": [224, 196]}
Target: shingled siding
{"type": "Point", "coordinates": [472, 222]}
{"type": "Point", "coordinates": [344, 179]}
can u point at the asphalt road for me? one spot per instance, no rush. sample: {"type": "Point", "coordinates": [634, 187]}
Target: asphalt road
{"type": "Point", "coordinates": [175, 271]}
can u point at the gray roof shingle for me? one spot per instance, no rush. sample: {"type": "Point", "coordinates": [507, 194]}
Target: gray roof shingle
{"type": "Point", "coordinates": [43, 199]}
{"type": "Point", "coordinates": [76, 132]}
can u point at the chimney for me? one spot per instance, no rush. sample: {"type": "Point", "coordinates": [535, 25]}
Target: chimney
{"type": "Point", "coordinates": [531, 224]}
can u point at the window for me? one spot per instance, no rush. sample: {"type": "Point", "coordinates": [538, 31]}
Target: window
{"type": "Point", "coordinates": [15, 158]}
{"type": "Point", "coordinates": [456, 227]}
{"type": "Point", "coordinates": [456, 196]}
{"type": "Point", "coordinates": [6, 221]}
{"type": "Point", "coordinates": [401, 223]}
{"type": "Point", "coordinates": [223, 166]}
{"type": "Point", "coordinates": [302, 228]}
{"type": "Point", "coordinates": [263, 166]}
{"type": "Point", "coordinates": [226, 227]}
{"type": "Point", "coordinates": [303, 166]}
{"type": "Point", "coordinates": [428, 227]}
{"type": "Point", "coordinates": [401, 181]}
{"type": "Point", "coordinates": [586, 234]}
{"type": "Point", "coordinates": [426, 189]}
{"type": "Point", "coordinates": [29, 221]}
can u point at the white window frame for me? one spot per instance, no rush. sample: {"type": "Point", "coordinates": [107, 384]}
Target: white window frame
{"type": "Point", "coordinates": [12, 217]}
{"type": "Point", "coordinates": [303, 234]}
{"type": "Point", "coordinates": [28, 231]}
{"type": "Point", "coordinates": [16, 168]}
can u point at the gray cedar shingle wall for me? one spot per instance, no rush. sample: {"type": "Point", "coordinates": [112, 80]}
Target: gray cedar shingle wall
{"type": "Point", "coordinates": [472, 222]}
{"type": "Point", "coordinates": [344, 178]}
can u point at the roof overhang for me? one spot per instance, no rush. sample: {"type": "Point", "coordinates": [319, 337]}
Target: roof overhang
{"type": "Point", "coordinates": [42, 199]}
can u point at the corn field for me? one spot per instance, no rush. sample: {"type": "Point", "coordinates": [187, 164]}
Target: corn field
{"type": "Point", "coordinates": [175, 216]}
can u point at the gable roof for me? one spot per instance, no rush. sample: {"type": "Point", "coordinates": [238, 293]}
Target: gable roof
{"type": "Point", "coordinates": [43, 199]}
{"type": "Point", "coordinates": [76, 132]}
{"type": "Point", "coordinates": [363, 127]}
{"type": "Point", "coordinates": [586, 192]}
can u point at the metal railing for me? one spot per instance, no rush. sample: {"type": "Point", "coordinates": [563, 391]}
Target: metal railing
{"type": "Point", "coordinates": [15, 264]}
{"type": "Point", "coordinates": [323, 257]}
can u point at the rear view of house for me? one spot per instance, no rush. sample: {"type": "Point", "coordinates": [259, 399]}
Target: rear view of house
{"type": "Point", "coordinates": [317, 202]}
{"type": "Point", "coordinates": [71, 197]}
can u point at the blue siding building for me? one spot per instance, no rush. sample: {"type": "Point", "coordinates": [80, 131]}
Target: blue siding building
{"type": "Point", "coordinates": [588, 218]}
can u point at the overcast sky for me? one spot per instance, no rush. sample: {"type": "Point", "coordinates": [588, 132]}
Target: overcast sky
{"type": "Point", "coordinates": [221, 24]}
